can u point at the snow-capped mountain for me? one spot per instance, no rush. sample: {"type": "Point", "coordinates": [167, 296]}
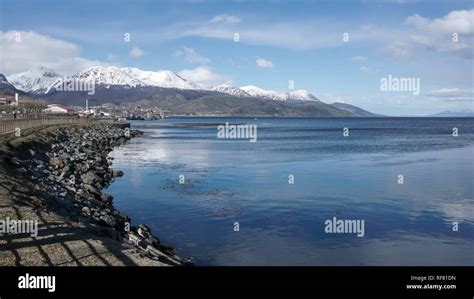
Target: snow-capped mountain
{"type": "Point", "coordinates": [224, 88]}
{"type": "Point", "coordinates": [4, 83]}
{"type": "Point", "coordinates": [301, 95]}
{"type": "Point", "coordinates": [132, 77]}
{"type": "Point", "coordinates": [35, 80]}
{"type": "Point", "coordinates": [298, 95]}
{"type": "Point", "coordinates": [258, 92]}
{"type": "Point", "coordinates": [167, 79]}
{"type": "Point", "coordinates": [107, 75]}
{"type": "Point", "coordinates": [42, 80]}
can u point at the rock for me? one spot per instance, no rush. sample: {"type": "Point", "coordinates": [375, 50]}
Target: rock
{"type": "Point", "coordinates": [122, 217]}
{"type": "Point", "coordinates": [133, 238]}
{"type": "Point", "coordinates": [56, 163]}
{"type": "Point", "coordinates": [86, 210]}
{"type": "Point", "coordinates": [144, 231]}
{"type": "Point", "coordinates": [109, 220]}
{"type": "Point", "coordinates": [90, 178]}
{"type": "Point", "coordinates": [117, 173]}
{"type": "Point", "coordinates": [91, 189]}
{"type": "Point", "coordinates": [22, 170]}
{"type": "Point", "coordinates": [106, 198]}
{"type": "Point", "coordinates": [154, 241]}
{"type": "Point", "coordinates": [72, 180]}
{"type": "Point", "coordinates": [143, 244]}
{"type": "Point", "coordinates": [40, 174]}
{"type": "Point", "coordinates": [66, 170]}
{"type": "Point", "coordinates": [167, 250]}
{"type": "Point", "coordinates": [161, 256]}
{"type": "Point", "coordinates": [188, 262]}
{"type": "Point", "coordinates": [144, 228]}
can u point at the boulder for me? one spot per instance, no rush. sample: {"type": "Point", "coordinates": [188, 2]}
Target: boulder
{"type": "Point", "coordinates": [117, 173]}
{"type": "Point", "coordinates": [56, 163]}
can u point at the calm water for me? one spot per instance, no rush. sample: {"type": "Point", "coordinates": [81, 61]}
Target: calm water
{"type": "Point", "coordinates": [353, 177]}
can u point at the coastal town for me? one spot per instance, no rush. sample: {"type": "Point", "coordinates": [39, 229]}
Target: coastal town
{"type": "Point", "coordinates": [18, 106]}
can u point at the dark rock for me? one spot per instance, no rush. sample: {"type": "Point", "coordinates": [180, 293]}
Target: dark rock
{"type": "Point", "coordinates": [168, 250]}
{"type": "Point", "coordinates": [90, 178]}
{"type": "Point", "coordinates": [106, 198]}
{"type": "Point", "coordinates": [117, 173]}
{"type": "Point", "coordinates": [154, 241]}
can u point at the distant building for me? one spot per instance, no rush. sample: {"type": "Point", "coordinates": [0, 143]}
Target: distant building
{"type": "Point", "coordinates": [57, 109]}
{"type": "Point", "coordinates": [9, 101]}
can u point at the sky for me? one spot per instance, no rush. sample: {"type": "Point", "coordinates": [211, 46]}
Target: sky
{"type": "Point", "coordinates": [338, 50]}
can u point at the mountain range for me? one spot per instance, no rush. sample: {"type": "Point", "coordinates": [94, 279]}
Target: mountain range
{"type": "Point", "coordinates": [7, 89]}
{"type": "Point", "coordinates": [465, 113]}
{"type": "Point", "coordinates": [170, 91]}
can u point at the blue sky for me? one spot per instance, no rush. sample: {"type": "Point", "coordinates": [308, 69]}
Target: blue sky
{"type": "Point", "coordinates": [279, 41]}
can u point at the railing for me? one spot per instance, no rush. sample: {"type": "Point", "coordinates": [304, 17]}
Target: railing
{"type": "Point", "coordinates": [11, 125]}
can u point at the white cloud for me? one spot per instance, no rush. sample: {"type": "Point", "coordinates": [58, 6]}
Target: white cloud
{"type": "Point", "coordinates": [359, 58]}
{"type": "Point", "coordinates": [295, 35]}
{"type": "Point", "coordinates": [368, 70]}
{"type": "Point", "coordinates": [452, 94]}
{"type": "Point", "coordinates": [33, 49]}
{"type": "Point", "coordinates": [190, 55]}
{"type": "Point", "coordinates": [398, 50]}
{"type": "Point", "coordinates": [205, 76]}
{"type": "Point", "coordinates": [415, 35]}
{"type": "Point", "coordinates": [264, 63]}
{"type": "Point", "coordinates": [436, 35]}
{"type": "Point", "coordinates": [225, 18]}
{"type": "Point", "coordinates": [460, 21]}
{"type": "Point", "coordinates": [136, 52]}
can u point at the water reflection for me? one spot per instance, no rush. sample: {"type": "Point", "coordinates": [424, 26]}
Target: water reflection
{"type": "Point", "coordinates": [283, 224]}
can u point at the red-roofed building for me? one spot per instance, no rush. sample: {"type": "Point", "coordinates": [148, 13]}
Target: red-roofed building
{"type": "Point", "coordinates": [8, 101]}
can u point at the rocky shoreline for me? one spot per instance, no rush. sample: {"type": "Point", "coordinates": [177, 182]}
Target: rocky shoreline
{"type": "Point", "coordinates": [68, 170]}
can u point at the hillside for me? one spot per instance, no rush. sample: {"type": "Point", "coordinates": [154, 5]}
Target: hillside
{"type": "Point", "coordinates": [227, 105]}
{"type": "Point", "coordinates": [356, 111]}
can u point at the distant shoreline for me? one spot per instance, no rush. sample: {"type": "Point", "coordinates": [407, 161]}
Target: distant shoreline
{"type": "Point", "coordinates": [299, 117]}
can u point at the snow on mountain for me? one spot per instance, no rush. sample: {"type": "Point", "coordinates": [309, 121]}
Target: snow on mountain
{"type": "Point", "coordinates": [224, 88]}
{"type": "Point", "coordinates": [41, 79]}
{"type": "Point", "coordinates": [4, 83]}
{"type": "Point", "coordinates": [107, 75]}
{"type": "Point", "coordinates": [34, 80]}
{"type": "Point", "coordinates": [298, 95]}
{"type": "Point", "coordinates": [167, 79]}
{"type": "Point", "coordinates": [258, 92]}
{"type": "Point", "coordinates": [301, 95]}
{"type": "Point", "coordinates": [133, 77]}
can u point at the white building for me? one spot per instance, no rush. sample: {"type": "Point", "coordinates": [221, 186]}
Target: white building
{"type": "Point", "coordinates": [56, 109]}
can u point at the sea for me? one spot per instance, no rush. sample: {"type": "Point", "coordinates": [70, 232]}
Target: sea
{"type": "Point", "coordinates": [229, 201]}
